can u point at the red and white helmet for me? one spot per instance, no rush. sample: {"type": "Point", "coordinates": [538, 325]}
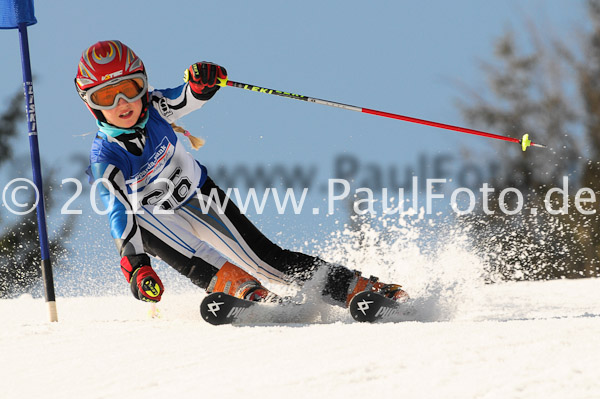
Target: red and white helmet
{"type": "Point", "coordinates": [103, 62]}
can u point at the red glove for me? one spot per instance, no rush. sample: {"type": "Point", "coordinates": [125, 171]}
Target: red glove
{"type": "Point", "coordinates": [203, 78]}
{"type": "Point", "coordinates": [145, 284]}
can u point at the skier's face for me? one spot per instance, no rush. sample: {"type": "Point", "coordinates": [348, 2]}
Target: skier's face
{"type": "Point", "coordinates": [125, 114]}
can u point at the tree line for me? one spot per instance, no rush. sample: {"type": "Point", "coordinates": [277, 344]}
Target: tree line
{"type": "Point", "coordinates": [548, 87]}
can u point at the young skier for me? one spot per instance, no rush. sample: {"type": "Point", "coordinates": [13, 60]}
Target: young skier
{"type": "Point", "coordinates": [152, 189]}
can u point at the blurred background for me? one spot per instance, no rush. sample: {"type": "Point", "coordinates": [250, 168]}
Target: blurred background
{"type": "Point", "coordinates": [508, 67]}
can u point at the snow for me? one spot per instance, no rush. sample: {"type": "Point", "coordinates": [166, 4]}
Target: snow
{"type": "Point", "coordinates": [511, 340]}
{"type": "Point", "coordinates": [464, 339]}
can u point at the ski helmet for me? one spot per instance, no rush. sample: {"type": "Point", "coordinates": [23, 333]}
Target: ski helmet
{"type": "Point", "coordinates": [104, 62]}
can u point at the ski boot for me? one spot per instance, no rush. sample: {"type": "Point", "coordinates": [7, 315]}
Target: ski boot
{"type": "Point", "coordinates": [234, 281]}
{"type": "Point", "coordinates": [359, 284]}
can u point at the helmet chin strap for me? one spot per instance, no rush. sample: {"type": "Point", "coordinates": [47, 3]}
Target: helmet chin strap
{"type": "Point", "coordinates": [145, 103]}
{"type": "Point", "coordinates": [98, 114]}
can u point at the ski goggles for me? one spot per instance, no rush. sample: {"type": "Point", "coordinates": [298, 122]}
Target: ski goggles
{"type": "Point", "coordinates": [107, 95]}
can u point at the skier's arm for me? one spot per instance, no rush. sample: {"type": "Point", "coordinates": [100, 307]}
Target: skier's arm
{"type": "Point", "coordinates": [122, 220]}
{"type": "Point", "coordinates": [201, 79]}
{"type": "Point", "coordinates": [135, 263]}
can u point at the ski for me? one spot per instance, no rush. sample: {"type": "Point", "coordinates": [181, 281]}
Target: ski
{"type": "Point", "coordinates": [369, 306]}
{"type": "Point", "coordinates": [220, 308]}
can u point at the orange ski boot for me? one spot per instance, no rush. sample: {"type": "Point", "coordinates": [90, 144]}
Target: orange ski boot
{"type": "Point", "coordinates": [234, 281]}
{"type": "Point", "coordinates": [359, 284]}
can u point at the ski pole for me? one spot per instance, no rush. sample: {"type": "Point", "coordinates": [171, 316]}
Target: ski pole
{"type": "Point", "coordinates": [524, 141]}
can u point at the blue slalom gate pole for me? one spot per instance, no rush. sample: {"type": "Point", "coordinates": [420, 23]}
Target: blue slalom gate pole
{"type": "Point", "coordinates": [18, 14]}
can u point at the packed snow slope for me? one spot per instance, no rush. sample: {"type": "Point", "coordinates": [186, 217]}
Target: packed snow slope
{"type": "Point", "coordinates": [464, 338]}
{"type": "Point", "coordinates": [513, 340]}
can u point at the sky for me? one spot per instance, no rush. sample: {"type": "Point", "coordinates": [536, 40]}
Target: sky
{"type": "Point", "coordinates": [399, 56]}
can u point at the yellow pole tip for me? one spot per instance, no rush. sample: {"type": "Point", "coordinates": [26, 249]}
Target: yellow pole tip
{"type": "Point", "coordinates": [525, 142]}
